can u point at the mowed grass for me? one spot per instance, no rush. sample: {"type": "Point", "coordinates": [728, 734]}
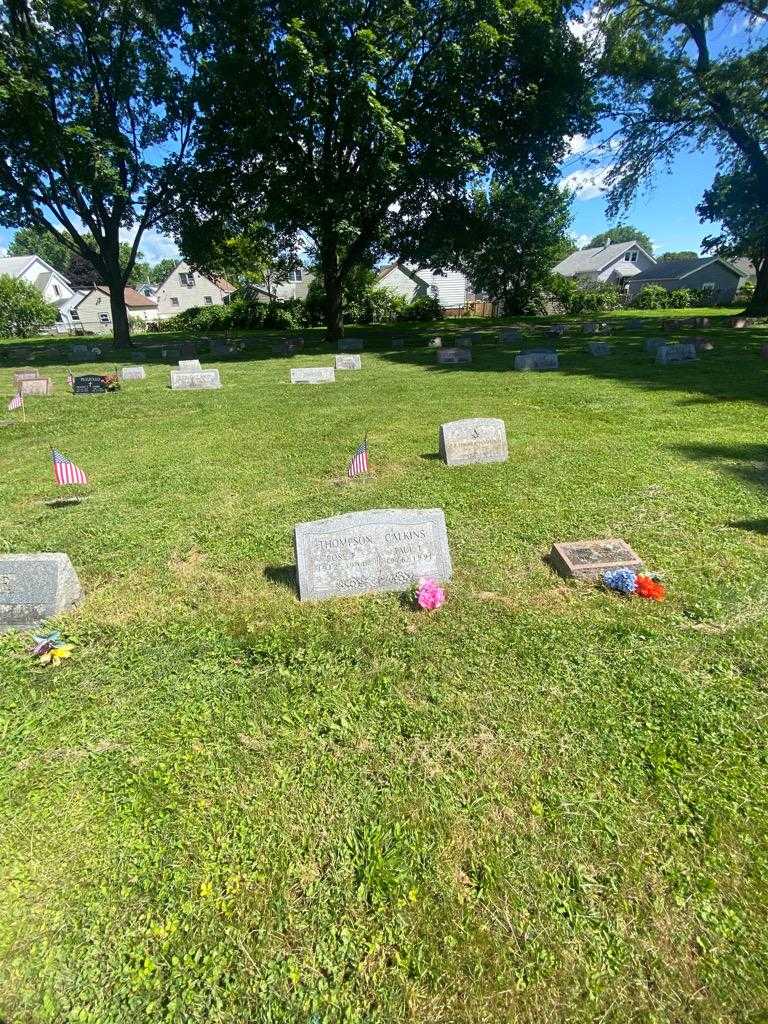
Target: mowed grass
{"type": "Point", "coordinates": [540, 804]}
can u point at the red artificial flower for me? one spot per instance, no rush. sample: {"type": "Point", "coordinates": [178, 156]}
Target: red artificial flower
{"type": "Point", "coordinates": [650, 588]}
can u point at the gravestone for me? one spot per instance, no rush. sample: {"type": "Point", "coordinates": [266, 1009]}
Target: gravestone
{"type": "Point", "coordinates": [188, 349]}
{"type": "Point", "coordinates": [23, 375]}
{"type": "Point", "coordinates": [351, 344]}
{"type": "Point", "coordinates": [369, 552]}
{"type": "Point", "coordinates": [284, 348]}
{"type": "Point", "coordinates": [348, 362]}
{"type": "Point", "coordinates": [764, 352]}
{"type": "Point", "coordinates": [314, 375]}
{"type": "Point", "coordinates": [537, 359]}
{"type": "Point", "coordinates": [599, 348]}
{"type": "Point", "coordinates": [464, 340]}
{"type": "Point", "coordinates": [653, 344]}
{"type": "Point", "coordinates": [702, 321]}
{"type": "Point", "coordinates": [398, 344]}
{"type": "Point", "coordinates": [195, 380]}
{"type": "Point", "coordinates": [668, 354]}
{"type": "Point", "coordinates": [452, 356]}
{"type": "Point", "coordinates": [509, 336]}
{"type": "Point", "coordinates": [170, 352]}
{"type": "Point", "coordinates": [436, 342]}
{"type": "Point", "coordinates": [133, 373]}
{"type": "Point", "coordinates": [34, 588]}
{"type": "Point", "coordinates": [589, 328]}
{"type": "Point", "coordinates": [89, 384]}
{"type": "Point", "coordinates": [589, 559]}
{"type": "Point", "coordinates": [703, 344]}
{"type": "Point", "coordinates": [80, 351]}
{"type": "Point", "coordinates": [463, 442]}
{"type": "Point", "coordinates": [190, 365]}
{"type": "Point", "coordinates": [557, 330]}
{"type": "Point", "coordinates": [39, 388]}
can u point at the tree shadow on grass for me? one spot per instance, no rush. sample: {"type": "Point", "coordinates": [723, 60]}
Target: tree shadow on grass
{"type": "Point", "coordinates": [752, 525]}
{"type": "Point", "coordinates": [746, 462]}
{"type": "Point", "coordinates": [283, 576]}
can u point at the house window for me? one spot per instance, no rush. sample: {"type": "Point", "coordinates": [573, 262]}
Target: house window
{"type": "Point", "coordinates": [187, 280]}
{"type": "Point", "coordinates": [56, 290]}
{"type": "Point", "coordinates": [208, 300]}
{"type": "Point", "coordinates": [295, 275]}
{"type": "Point", "coordinates": [103, 318]}
{"type": "Point", "coordinates": [74, 315]}
{"type": "Point", "coordinates": [631, 256]}
{"type": "Point", "coordinates": [174, 302]}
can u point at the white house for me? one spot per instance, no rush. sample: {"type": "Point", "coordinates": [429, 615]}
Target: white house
{"type": "Point", "coordinates": [613, 263]}
{"type": "Point", "coordinates": [185, 288]}
{"type": "Point", "coordinates": [52, 285]}
{"type": "Point", "coordinates": [449, 287]}
{"type": "Point", "coordinates": [93, 311]}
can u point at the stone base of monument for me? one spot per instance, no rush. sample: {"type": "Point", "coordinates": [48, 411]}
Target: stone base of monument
{"type": "Point", "coordinates": [464, 442]}
{"type": "Point", "coordinates": [589, 559]}
{"type": "Point", "coordinates": [34, 588]}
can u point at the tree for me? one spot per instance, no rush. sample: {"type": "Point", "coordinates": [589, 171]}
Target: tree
{"type": "Point", "coordinates": [684, 254]}
{"type": "Point", "coordinates": [23, 310]}
{"type": "Point", "coordinates": [622, 233]}
{"type": "Point", "coordinates": [83, 273]}
{"type": "Point", "coordinates": [34, 241]}
{"type": "Point", "coordinates": [160, 272]}
{"type": "Point", "coordinates": [347, 120]}
{"type": "Point", "coordinates": [733, 200]}
{"type": "Point", "coordinates": [671, 84]}
{"type": "Point", "coordinates": [95, 119]}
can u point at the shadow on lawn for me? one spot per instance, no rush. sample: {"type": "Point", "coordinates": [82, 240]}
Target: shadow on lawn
{"type": "Point", "coordinates": [746, 462]}
{"type": "Point", "coordinates": [283, 576]}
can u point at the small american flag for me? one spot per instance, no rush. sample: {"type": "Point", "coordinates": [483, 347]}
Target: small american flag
{"type": "Point", "coordinates": [359, 462]}
{"type": "Point", "coordinates": [70, 379]}
{"type": "Point", "coordinates": [17, 402]}
{"type": "Point", "coordinates": [67, 472]}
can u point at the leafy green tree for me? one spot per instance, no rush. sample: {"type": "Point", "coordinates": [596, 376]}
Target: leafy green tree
{"type": "Point", "coordinates": [622, 233]}
{"type": "Point", "coordinates": [83, 273]}
{"type": "Point", "coordinates": [733, 200]}
{"type": "Point", "coordinates": [684, 254]}
{"type": "Point", "coordinates": [160, 272]}
{"type": "Point", "coordinates": [95, 120]}
{"type": "Point", "coordinates": [35, 241]}
{"type": "Point", "coordinates": [350, 121]}
{"type": "Point", "coordinates": [23, 310]}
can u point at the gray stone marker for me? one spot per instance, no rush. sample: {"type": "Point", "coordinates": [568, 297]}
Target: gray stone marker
{"type": "Point", "coordinates": [42, 387]}
{"type": "Point", "coordinates": [589, 328]}
{"type": "Point", "coordinates": [739, 322]}
{"type": "Point", "coordinates": [133, 373]}
{"type": "Point", "coordinates": [589, 559]}
{"type": "Point", "coordinates": [463, 442]}
{"type": "Point", "coordinates": [351, 344]}
{"type": "Point", "coordinates": [452, 356]}
{"type": "Point", "coordinates": [369, 552]}
{"type": "Point", "coordinates": [348, 362]}
{"type": "Point", "coordinates": [23, 375]}
{"type": "Point", "coordinates": [34, 588]}
{"type": "Point", "coordinates": [509, 336]}
{"type": "Point", "coordinates": [285, 348]}
{"type": "Point", "coordinates": [464, 340]}
{"type": "Point", "coordinates": [653, 344]}
{"type": "Point", "coordinates": [668, 354]}
{"type": "Point", "coordinates": [81, 351]}
{"type": "Point", "coordinates": [190, 365]}
{"type": "Point", "coordinates": [314, 375]}
{"type": "Point", "coordinates": [599, 348]}
{"type": "Point", "coordinates": [183, 380]}
{"type": "Point", "coordinates": [557, 330]}
{"type": "Point", "coordinates": [537, 359]}
{"type": "Point", "coordinates": [398, 344]}
{"type": "Point", "coordinates": [223, 348]}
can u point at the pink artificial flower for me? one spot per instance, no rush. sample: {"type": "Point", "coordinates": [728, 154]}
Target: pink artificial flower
{"type": "Point", "coordinates": [430, 595]}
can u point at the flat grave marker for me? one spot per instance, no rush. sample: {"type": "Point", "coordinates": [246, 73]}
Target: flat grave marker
{"type": "Point", "coordinates": [313, 375]}
{"type": "Point", "coordinates": [453, 356]}
{"type": "Point", "coordinates": [348, 362]}
{"type": "Point", "coordinates": [133, 373]}
{"type": "Point", "coordinates": [89, 384]}
{"type": "Point", "coordinates": [35, 587]}
{"type": "Point", "coordinates": [370, 552]}
{"type": "Point", "coordinates": [195, 380]}
{"type": "Point", "coordinates": [589, 559]}
{"type": "Point", "coordinates": [42, 387]}
{"type": "Point", "coordinates": [464, 442]}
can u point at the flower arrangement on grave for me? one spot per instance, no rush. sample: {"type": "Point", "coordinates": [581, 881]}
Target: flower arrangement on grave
{"type": "Point", "coordinates": [630, 583]}
{"type": "Point", "coordinates": [50, 650]}
{"type": "Point", "coordinates": [429, 595]}
{"type": "Point", "coordinates": [111, 382]}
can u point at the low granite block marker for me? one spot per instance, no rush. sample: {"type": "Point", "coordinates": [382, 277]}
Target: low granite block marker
{"type": "Point", "coordinates": [453, 356]}
{"type": "Point", "coordinates": [669, 354]}
{"type": "Point", "coordinates": [351, 344]}
{"type": "Point", "coordinates": [190, 365]}
{"type": "Point", "coordinates": [34, 588]}
{"type": "Point", "coordinates": [313, 375]}
{"type": "Point", "coordinates": [537, 359]}
{"type": "Point", "coordinates": [589, 559]}
{"type": "Point", "coordinates": [40, 388]}
{"type": "Point", "coordinates": [463, 442]}
{"type": "Point", "coordinates": [599, 348]}
{"type": "Point", "coordinates": [370, 552]}
{"type": "Point", "coordinates": [89, 384]}
{"type": "Point", "coordinates": [589, 328]}
{"type": "Point", "coordinates": [182, 380]}
{"type": "Point", "coordinates": [133, 373]}
{"type": "Point", "coordinates": [23, 375]}
{"type": "Point", "coordinates": [348, 362]}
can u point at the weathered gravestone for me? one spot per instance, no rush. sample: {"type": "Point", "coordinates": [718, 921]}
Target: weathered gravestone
{"type": "Point", "coordinates": [351, 344]}
{"type": "Point", "coordinates": [452, 356]}
{"type": "Point", "coordinates": [34, 588]}
{"type": "Point", "coordinates": [537, 359]}
{"type": "Point", "coordinates": [314, 375]}
{"type": "Point", "coordinates": [463, 442]}
{"type": "Point", "coordinates": [195, 380]}
{"type": "Point", "coordinates": [653, 344]}
{"type": "Point", "coordinates": [589, 328]}
{"type": "Point", "coordinates": [464, 340]}
{"type": "Point", "coordinates": [509, 336]}
{"type": "Point", "coordinates": [42, 387]}
{"type": "Point", "coordinates": [81, 351]}
{"type": "Point", "coordinates": [190, 365]}
{"type": "Point", "coordinates": [739, 322]}
{"type": "Point", "coordinates": [284, 348]}
{"type": "Point", "coordinates": [188, 349]}
{"type": "Point", "coordinates": [368, 552]}
{"type": "Point", "coordinates": [589, 559]}
{"type": "Point", "coordinates": [170, 352]}
{"type": "Point", "coordinates": [557, 330]}
{"type": "Point", "coordinates": [133, 373]}
{"type": "Point", "coordinates": [224, 348]}
{"type": "Point", "coordinates": [702, 321]}
{"type": "Point", "coordinates": [89, 384]}
{"type": "Point", "coordinates": [667, 354]}
{"type": "Point", "coordinates": [348, 362]}
{"type": "Point", "coordinates": [599, 348]}
{"type": "Point", "coordinates": [703, 344]}
{"type": "Point", "coordinates": [22, 375]}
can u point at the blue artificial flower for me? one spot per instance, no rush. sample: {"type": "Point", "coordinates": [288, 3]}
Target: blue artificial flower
{"type": "Point", "coordinates": [623, 580]}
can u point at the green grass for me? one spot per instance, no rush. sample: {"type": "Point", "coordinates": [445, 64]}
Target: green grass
{"type": "Point", "coordinates": [541, 804]}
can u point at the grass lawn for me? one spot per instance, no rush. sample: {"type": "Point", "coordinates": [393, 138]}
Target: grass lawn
{"type": "Point", "coordinates": [541, 804]}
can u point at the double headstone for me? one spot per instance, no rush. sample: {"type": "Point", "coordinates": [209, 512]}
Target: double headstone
{"type": "Point", "coordinates": [452, 356]}
{"type": "Point", "coordinates": [40, 387]}
{"type": "Point", "coordinates": [589, 559]}
{"type": "Point", "coordinates": [370, 552]}
{"type": "Point", "coordinates": [313, 375]}
{"type": "Point", "coordinates": [667, 354]}
{"type": "Point", "coordinates": [463, 442]}
{"type": "Point", "coordinates": [348, 362]}
{"type": "Point", "coordinates": [351, 344]}
{"type": "Point", "coordinates": [195, 380]}
{"type": "Point", "coordinates": [537, 359]}
{"type": "Point", "coordinates": [34, 588]}
{"type": "Point", "coordinates": [132, 373]}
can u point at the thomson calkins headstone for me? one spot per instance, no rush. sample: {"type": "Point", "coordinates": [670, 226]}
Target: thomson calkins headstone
{"type": "Point", "coordinates": [463, 442]}
{"type": "Point", "coordinates": [348, 362]}
{"type": "Point", "coordinates": [451, 356]}
{"type": "Point", "coordinates": [536, 359]}
{"type": "Point", "coordinates": [313, 375]}
{"type": "Point", "coordinates": [368, 552]}
{"type": "Point", "coordinates": [190, 365]}
{"type": "Point", "coordinates": [43, 386]}
{"type": "Point", "coordinates": [133, 373]}
{"type": "Point", "coordinates": [195, 380]}
{"type": "Point", "coordinates": [23, 375]}
{"type": "Point", "coordinates": [589, 559]}
{"type": "Point", "coordinates": [34, 588]}
{"type": "Point", "coordinates": [351, 345]}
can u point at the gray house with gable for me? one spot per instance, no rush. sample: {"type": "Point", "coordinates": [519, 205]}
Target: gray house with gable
{"type": "Point", "coordinates": [710, 274]}
{"type": "Point", "coordinates": [615, 263]}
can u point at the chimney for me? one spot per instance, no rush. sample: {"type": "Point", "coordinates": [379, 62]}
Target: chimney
{"type": "Point", "coordinates": [607, 241]}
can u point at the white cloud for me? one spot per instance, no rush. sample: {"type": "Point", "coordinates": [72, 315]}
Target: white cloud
{"type": "Point", "coordinates": [587, 183]}
{"type": "Point", "coordinates": [586, 28]}
{"type": "Point", "coordinates": [155, 246]}
{"type": "Point", "coordinates": [576, 144]}
{"type": "Point", "coordinates": [581, 241]}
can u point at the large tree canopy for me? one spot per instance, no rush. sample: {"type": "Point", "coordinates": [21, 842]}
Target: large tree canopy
{"type": "Point", "coordinates": [95, 119]}
{"type": "Point", "coordinates": [349, 119]}
{"type": "Point", "coordinates": [622, 233]}
{"type": "Point", "coordinates": [36, 241]}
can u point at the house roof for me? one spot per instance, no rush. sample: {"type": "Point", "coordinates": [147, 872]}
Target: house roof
{"type": "Point", "coordinates": [133, 299]}
{"type": "Point", "coordinates": [387, 269]}
{"type": "Point", "coordinates": [745, 266]}
{"type": "Point", "coordinates": [221, 282]}
{"type": "Point", "coordinates": [14, 266]}
{"type": "Point", "coordinates": [594, 260]}
{"type": "Point", "coordinates": [223, 285]}
{"type": "Point", "coordinates": [676, 270]}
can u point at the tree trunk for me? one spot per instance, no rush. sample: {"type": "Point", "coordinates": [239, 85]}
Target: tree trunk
{"type": "Point", "coordinates": [758, 304]}
{"type": "Point", "coordinates": [334, 292]}
{"type": "Point", "coordinates": [114, 280]}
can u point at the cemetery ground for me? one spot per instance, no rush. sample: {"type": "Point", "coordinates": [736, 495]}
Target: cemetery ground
{"type": "Point", "coordinates": [541, 803]}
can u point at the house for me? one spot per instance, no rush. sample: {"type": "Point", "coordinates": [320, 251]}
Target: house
{"type": "Point", "coordinates": [148, 289]}
{"type": "Point", "coordinates": [449, 287]}
{"type": "Point", "coordinates": [185, 288]}
{"type": "Point", "coordinates": [297, 285]}
{"type": "Point", "coordinates": [614, 263]}
{"type": "Point", "coordinates": [709, 273]}
{"type": "Point", "coordinates": [51, 284]}
{"type": "Point", "coordinates": [746, 269]}
{"type": "Point", "coordinates": [93, 311]}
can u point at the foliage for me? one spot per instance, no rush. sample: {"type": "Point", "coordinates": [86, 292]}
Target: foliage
{"type": "Point", "coordinates": [421, 309]}
{"type": "Point", "coordinates": [575, 297]}
{"type": "Point", "coordinates": [654, 296]}
{"type": "Point", "coordinates": [23, 311]}
{"type": "Point", "coordinates": [684, 254]}
{"type": "Point", "coordinates": [83, 273]}
{"type": "Point", "coordinates": [161, 271]}
{"type": "Point", "coordinates": [622, 233]}
{"type": "Point", "coordinates": [36, 241]}
{"type": "Point", "coordinates": [239, 314]}
{"type": "Point", "coordinates": [244, 252]}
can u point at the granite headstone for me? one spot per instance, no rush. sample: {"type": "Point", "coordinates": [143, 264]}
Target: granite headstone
{"type": "Point", "coordinates": [589, 559]}
{"type": "Point", "coordinates": [351, 344]}
{"type": "Point", "coordinates": [348, 362]}
{"type": "Point", "coordinates": [34, 588]}
{"type": "Point", "coordinates": [89, 384]}
{"type": "Point", "coordinates": [190, 365]}
{"type": "Point", "coordinates": [313, 375]}
{"type": "Point", "coordinates": [668, 354]}
{"type": "Point", "coordinates": [42, 387]}
{"type": "Point", "coordinates": [22, 375]}
{"type": "Point", "coordinates": [452, 356]}
{"type": "Point", "coordinates": [599, 348]}
{"type": "Point", "coordinates": [133, 373]}
{"type": "Point", "coordinates": [195, 380]}
{"type": "Point", "coordinates": [537, 359]}
{"type": "Point", "coordinates": [463, 442]}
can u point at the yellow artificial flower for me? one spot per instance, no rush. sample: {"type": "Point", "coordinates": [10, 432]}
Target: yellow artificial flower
{"type": "Point", "coordinates": [56, 654]}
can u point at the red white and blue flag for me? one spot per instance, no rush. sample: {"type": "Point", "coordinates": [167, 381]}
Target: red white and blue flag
{"type": "Point", "coordinates": [17, 402]}
{"type": "Point", "coordinates": [67, 472]}
{"type": "Point", "coordinates": [70, 379]}
{"type": "Point", "coordinates": [359, 462]}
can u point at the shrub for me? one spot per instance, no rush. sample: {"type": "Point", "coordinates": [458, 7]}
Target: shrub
{"type": "Point", "coordinates": [653, 296]}
{"type": "Point", "coordinates": [426, 308]}
{"type": "Point", "coordinates": [574, 296]}
{"type": "Point", "coordinates": [681, 298]}
{"type": "Point", "coordinates": [23, 311]}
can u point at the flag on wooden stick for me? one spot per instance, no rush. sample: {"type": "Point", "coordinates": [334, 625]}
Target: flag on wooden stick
{"type": "Point", "coordinates": [66, 472]}
{"type": "Point", "coordinates": [17, 402]}
{"type": "Point", "coordinates": [359, 462]}
{"type": "Point", "coordinates": [70, 379]}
